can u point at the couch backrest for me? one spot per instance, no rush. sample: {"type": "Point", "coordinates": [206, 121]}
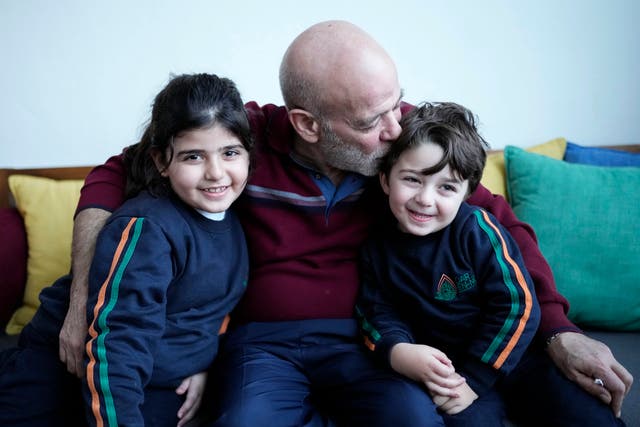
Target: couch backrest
{"type": "Point", "coordinates": [78, 172]}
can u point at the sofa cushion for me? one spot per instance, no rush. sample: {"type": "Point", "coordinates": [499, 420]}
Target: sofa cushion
{"type": "Point", "coordinates": [493, 176]}
{"type": "Point", "coordinates": [600, 156]}
{"type": "Point", "coordinates": [587, 220]}
{"type": "Point", "coordinates": [47, 207]}
{"type": "Point", "coordinates": [13, 261]}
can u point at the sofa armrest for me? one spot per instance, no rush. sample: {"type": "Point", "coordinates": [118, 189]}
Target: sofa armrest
{"type": "Point", "coordinates": [13, 262]}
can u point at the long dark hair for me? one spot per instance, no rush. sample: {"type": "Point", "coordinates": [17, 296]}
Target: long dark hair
{"type": "Point", "coordinates": [187, 102]}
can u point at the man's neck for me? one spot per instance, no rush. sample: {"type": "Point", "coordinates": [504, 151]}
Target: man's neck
{"type": "Point", "coordinates": [312, 157]}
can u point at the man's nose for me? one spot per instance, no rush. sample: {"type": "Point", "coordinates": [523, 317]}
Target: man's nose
{"type": "Point", "coordinates": [392, 129]}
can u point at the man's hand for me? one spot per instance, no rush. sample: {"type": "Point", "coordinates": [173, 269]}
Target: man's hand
{"type": "Point", "coordinates": [454, 405]}
{"type": "Point", "coordinates": [86, 227]}
{"type": "Point", "coordinates": [583, 359]}
{"type": "Point", "coordinates": [427, 365]}
{"type": "Point", "coordinates": [194, 387]}
{"type": "Point", "coordinates": [72, 336]}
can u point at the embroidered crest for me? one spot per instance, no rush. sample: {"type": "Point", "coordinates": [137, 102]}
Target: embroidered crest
{"type": "Point", "coordinates": [466, 282]}
{"type": "Point", "coordinates": [448, 290]}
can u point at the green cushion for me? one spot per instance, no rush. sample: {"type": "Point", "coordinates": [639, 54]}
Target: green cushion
{"type": "Point", "coordinates": [587, 219]}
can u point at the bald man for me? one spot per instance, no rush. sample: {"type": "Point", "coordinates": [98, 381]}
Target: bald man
{"type": "Point", "coordinates": [294, 355]}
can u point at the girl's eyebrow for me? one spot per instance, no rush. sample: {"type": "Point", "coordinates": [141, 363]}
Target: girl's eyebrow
{"type": "Point", "coordinates": [194, 151]}
{"type": "Point", "coordinates": [199, 150]}
{"type": "Point", "coordinates": [230, 146]}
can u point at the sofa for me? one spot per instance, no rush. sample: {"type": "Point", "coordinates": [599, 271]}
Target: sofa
{"type": "Point", "coordinates": [585, 210]}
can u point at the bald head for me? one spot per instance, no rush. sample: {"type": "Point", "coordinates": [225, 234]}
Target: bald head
{"type": "Point", "coordinates": [333, 63]}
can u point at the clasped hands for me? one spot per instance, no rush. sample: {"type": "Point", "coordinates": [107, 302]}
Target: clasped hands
{"type": "Point", "coordinates": [431, 367]}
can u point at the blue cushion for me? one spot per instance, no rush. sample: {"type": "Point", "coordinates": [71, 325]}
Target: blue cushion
{"type": "Point", "coordinates": [600, 156]}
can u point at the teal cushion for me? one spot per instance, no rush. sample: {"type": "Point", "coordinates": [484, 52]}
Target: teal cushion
{"type": "Point", "coordinates": [587, 219]}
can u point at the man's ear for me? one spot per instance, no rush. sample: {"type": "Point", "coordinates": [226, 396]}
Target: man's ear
{"type": "Point", "coordinates": [384, 183]}
{"type": "Point", "coordinates": [305, 124]}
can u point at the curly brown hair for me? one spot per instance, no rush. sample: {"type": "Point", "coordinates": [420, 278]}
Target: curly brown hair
{"type": "Point", "coordinates": [452, 127]}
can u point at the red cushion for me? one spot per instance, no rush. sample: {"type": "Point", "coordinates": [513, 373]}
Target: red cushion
{"type": "Point", "coordinates": [13, 262]}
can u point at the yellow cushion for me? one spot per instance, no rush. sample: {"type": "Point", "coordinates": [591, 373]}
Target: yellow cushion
{"type": "Point", "coordinates": [494, 176]}
{"type": "Point", "coordinates": [47, 207]}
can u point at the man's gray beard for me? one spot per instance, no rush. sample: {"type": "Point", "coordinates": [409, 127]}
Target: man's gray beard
{"type": "Point", "coordinates": [348, 157]}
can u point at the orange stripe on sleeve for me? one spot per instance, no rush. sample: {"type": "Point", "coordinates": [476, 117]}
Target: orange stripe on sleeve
{"type": "Point", "coordinates": [370, 345]}
{"type": "Point", "coordinates": [95, 399]}
{"type": "Point", "coordinates": [527, 298]}
{"type": "Point", "coordinates": [224, 325]}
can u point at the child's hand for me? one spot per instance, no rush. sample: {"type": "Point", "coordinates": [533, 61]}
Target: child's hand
{"type": "Point", "coordinates": [454, 405]}
{"type": "Point", "coordinates": [194, 387]}
{"type": "Point", "coordinates": [427, 365]}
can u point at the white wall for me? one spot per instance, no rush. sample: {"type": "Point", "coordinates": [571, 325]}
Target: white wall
{"type": "Point", "coordinates": [77, 77]}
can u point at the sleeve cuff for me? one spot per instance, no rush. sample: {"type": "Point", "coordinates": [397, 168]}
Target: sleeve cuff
{"type": "Point", "coordinates": [553, 320]}
{"type": "Point", "coordinates": [385, 344]}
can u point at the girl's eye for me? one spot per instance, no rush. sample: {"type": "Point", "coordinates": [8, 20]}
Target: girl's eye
{"type": "Point", "coordinates": [448, 187]}
{"type": "Point", "coordinates": [192, 157]}
{"type": "Point", "coordinates": [231, 153]}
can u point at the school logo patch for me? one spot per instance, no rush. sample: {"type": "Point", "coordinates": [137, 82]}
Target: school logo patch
{"type": "Point", "coordinates": [448, 289]}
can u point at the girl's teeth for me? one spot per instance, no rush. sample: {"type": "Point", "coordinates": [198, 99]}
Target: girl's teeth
{"type": "Point", "coordinates": [215, 190]}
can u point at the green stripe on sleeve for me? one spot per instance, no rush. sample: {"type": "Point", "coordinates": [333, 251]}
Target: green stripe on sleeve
{"type": "Point", "coordinates": [102, 322]}
{"type": "Point", "coordinates": [515, 303]}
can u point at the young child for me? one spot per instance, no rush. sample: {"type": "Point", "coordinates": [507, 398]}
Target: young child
{"type": "Point", "coordinates": [169, 266]}
{"type": "Point", "coordinates": [446, 299]}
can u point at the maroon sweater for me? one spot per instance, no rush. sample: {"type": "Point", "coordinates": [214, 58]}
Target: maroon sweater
{"type": "Point", "coordinates": [304, 256]}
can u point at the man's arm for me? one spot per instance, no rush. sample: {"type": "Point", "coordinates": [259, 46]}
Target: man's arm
{"type": "Point", "coordinates": [103, 192]}
{"type": "Point", "coordinates": [579, 357]}
{"type": "Point", "coordinates": [86, 227]}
